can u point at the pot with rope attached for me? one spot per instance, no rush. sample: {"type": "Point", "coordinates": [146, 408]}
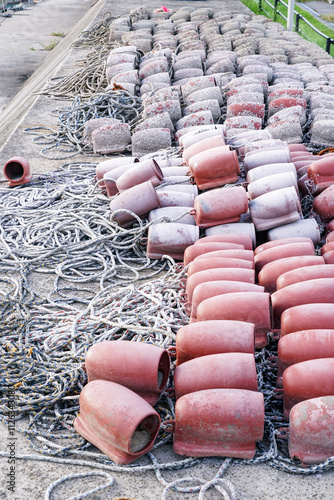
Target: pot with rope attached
{"type": "Point", "coordinates": [111, 164]}
{"type": "Point", "coordinates": [173, 198]}
{"type": "Point", "coordinates": [134, 203]}
{"type": "Point", "coordinates": [307, 379]}
{"type": "Point", "coordinates": [214, 167]}
{"type": "Point", "coordinates": [111, 176]}
{"type": "Point", "coordinates": [218, 422]}
{"type": "Point", "coordinates": [179, 215]}
{"type": "Point", "coordinates": [117, 421]}
{"type": "Point", "coordinates": [143, 368]}
{"type": "Point", "coordinates": [214, 141]}
{"type": "Point", "coordinates": [220, 206]}
{"type": "Point", "coordinates": [170, 239]}
{"type": "Point", "coordinates": [311, 438]}
{"type": "Point", "coordinates": [17, 171]}
{"type": "Point", "coordinates": [144, 171]}
{"type": "Point", "coordinates": [213, 337]}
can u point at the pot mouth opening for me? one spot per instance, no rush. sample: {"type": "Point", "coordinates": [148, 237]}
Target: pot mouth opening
{"type": "Point", "coordinates": [14, 171]}
{"type": "Point", "coordinates": [144, 434]}
{"type": "Point", "coordinates": [163, 370]}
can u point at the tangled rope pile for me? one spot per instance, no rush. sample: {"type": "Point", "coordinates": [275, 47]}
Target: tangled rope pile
{"type": "Point", "coordinates": [69, 138]}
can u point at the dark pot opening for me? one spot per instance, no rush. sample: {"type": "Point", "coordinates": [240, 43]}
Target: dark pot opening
{"type": "Point", "coordinates": [14, 171]}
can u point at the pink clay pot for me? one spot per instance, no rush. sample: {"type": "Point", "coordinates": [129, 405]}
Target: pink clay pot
{"type": "Point", "coordinates": [317, 316]}
{"type": "Point", "coordinates": [232, 370]}
{"type": "Point", "coordinates": [206, 290]}
{"type": "Point", "coordinates": [234, 228]}
{"type": "Point", "coordinates": [311, 439]}
{"type": "Point", "coordinates": [220, 206]}
{"type": "Point", "coordinates": [17, 171]}
{"type": "Point", "coordinates": [281, 241]}
{"type": "Point", "coordinates": [306, 380]}
{"type": "Point", "coordinates": [302, 346]}
{"type": "Point", "coordinates": [272, 271]}
{"type": "Point", "coordinates": [277, 252]}
{"type": "Point", "coordinates": [214, 167]}
{"type": "Point", "coordinates": [218, 422]}
{"type": "Point", "coordinates": [308, 228]}
{"type": "Point", "coordinates": [297, 147]}
{"type": "Point", "coordinates": [204, 263]}
{"type": "Point", "coordinates": [213, 337]}
{"type": "Point", "coordinates": [330, 226]}
{"type": "Point", "coordinates": [217, 274]}
{"type": "Point", "coordinates": [105, 166]}
{"type": "Point", "coordinates": [321, 173]}
{"type": "Point", "coordinates": [253, 307]}
{"type": "Point", "coordinates": [273, 209]}
{"type": "Point", "coordinates": [246, 109]}
{"type": "Point", "coordinates": [111, 176]}
{"type": "Point", "coordinates": [203, 145]}
{"type": "Point", "coordinates": [220, 249]}
{"type": "Point", "coordinates": [269, 170]}
{"type": "Point", "coordinates": [330, 237]}
{"type": "Point", "coordinates": [142, 172]}
{"type": "Point", "coordinates": [170, 239]}
{"type": "Point", "coordinates": [271, 183]}
{"type": "Point", "coordinates": [193, 137]}
{"type": "Point", "coordinates": [167, 214]}
{"type": "Point", "coordinates": [143, 368]}
{"type": "Point", "coordinates": [323, 204]}
{"type": "Point", "coordinates": [117, 421]}
{"type": "Point", "coordinates": [239, 238]}
{"type": "Point", "coordinates": [264, 157]}
{"type": "Point", "coordinates": [320, 290]}
{"type": "Point", "coordinates": [169, 198]}
{"type": "Point", "coordinates": [139, 199]}
{"type": "Point", "coordinates": [329, 257]}
{"type": "Point", "coordinates": [327, 247]}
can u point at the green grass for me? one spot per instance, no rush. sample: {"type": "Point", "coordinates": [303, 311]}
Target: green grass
{"type": "Point", "coordinates": [304, 30]}
{"type": "Point", "coordinates": [50, 45]}
{"type": "Point", "coordinates": [58, 33]}
{"type": "Point", "coordinates": [328, 17]}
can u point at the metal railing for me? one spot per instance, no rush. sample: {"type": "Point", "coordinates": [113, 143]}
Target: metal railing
{"type": "Point", "coordinates": [298, 17]}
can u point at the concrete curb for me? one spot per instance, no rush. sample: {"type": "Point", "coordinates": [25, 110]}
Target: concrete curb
{"type": "Point", "coordinates": [25, 98]}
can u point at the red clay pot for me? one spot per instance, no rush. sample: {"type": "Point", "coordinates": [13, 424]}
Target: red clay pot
{"type": "Point", "coordinates": [273, 253]}
{"type": "Point", "coordinates": [142, 172]}
{"type": "Point", "coordinates": [329, 257]}
{"type": "Point", "coordinates": [143, 368]}
{"type": "Point", "coordinates": [111, 176]}
{"type": "Point", "coordinates": [317, 316]}
{"type": "Point", "coordinates": [217, 274]}
{"type": "Point", "coordinates": [232, 370]}
{"type": "Point", "coordinates": [242, 227]}
{"type": "Point", "coordinates": [245, 109]}
{"type": "Point", "coordinates": [214, 167]}
{"type": "Point", "coordinates": [139, 199]}
{"type": "Point", "coordinates": [17, 171]}
{"type": "Point", "coordinates": [195, 250]}
{"type": "Point", "coordinates": [330, 226]}
{"type": "Point", "coordinates": [239, 238]}
{"type": "Point", "coordinates": [203, 145]}
{"type": "Point", "coordinates": [206, 290]}
{"type": "Point", "coordinates": [232, 253]}
{"type": "Point", "coordinates": [284, 102]}
{"type": "Point", "coordinates": [273, 209]}
{"type": "Point", "coordinates": [272, 271]}
{"type": "Point", "coordinates": [219, 422]}
{"type": "Point", "coordinates": [282, 241]}
{"type": "Point", "coordinates": [117, 421]}
{"type": "Point", "coordinates": [327, 247]}
{"type": "Point", "coordinates": [311, 438]}
{"type": "Point", "coordinates": [167, 214]}
{"type": "Point", "coordinates": [302, 346]}
{"type": "Point", "coordinates": [323, 204]}
{"type": "Point", "coordinates": [203, 263]}
{"type": "Point", "coordinates": [330, 237]}
{"type": "Point", "coordinates": [306, 380]}
{"type": "Point", "coordinates": [319, 290]}
{"type": "Point", "coordinates": [170, 239]}
{"type": "Point", "coordinates": [105, 166]}
{"type": "Point", "coordinates": [213, 337]}
{"type": "Point", "coordinates": [220, 206]}
{"type": "Point", "coordinates": [305, 274]}
{"type": "Point", "coordinates": [253, 307]}
{"type": "Point", "coordinates": [297, 147]}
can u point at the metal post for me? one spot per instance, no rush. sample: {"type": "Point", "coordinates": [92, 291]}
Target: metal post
{"type": "Point", "coordinates": [275, 9]}
{"type": "Point", "coordinates": [297, 22]}
{"type": "Point", "coordinates": [291, 7]}
{"type": "Point", "coordinates": [328, 45]}
{"type": "Point", "coordinates": [260, 5]}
